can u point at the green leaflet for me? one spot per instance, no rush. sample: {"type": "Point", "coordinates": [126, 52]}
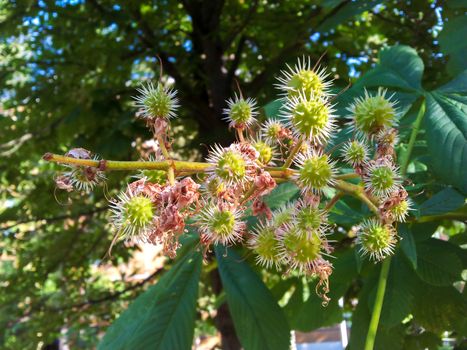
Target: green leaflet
{"type": "Point", "coordinates": [162, 317]}
{"type": "Point", "coordinates": [439, 308]}
{"type": "Point", "coordinates": [281, 195]}
{"type": "Point", "coordinates": [446, 133]}
{"type": "Point", "coordinates": [442, 202]}
{"type": "Point", "coordinates": [399, 68]}
{"type": "Point", "coordinates": [259, 321]}
{"type": "Point", "coordinates": [346, 12]}
{"type": "Point", "coordinates": [407, 244]}
{"type": "Point", "coordinates": [452, 43]}
{"type": "Point", "coordinates": [438, 264]}
{"type": "Point", "coordinates": [398, 298]}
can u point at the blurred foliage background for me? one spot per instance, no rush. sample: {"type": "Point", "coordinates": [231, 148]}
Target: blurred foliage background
{"type": "Point", "coordinates": [68, 70]}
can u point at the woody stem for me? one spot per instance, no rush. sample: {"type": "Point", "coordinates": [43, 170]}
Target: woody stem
{"type": "Point", "coordinates": [170, 170]}
{"type": "Point", "coordinates": [279, 174]}
{"type": "Point", "coordinates": [293, 152]}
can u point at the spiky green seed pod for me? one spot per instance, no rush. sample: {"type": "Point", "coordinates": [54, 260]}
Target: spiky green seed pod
{"type": "Point", "coordinates": [157, 101]}
{"type": "Point", "coordinates": [355, 152]}
{"type": "Point", "coordinates": [271, 131]}
{"type": "Point", "coordinates": [241, 112]}
{"type": "Point", "coordinates": [401, 210]}
{"type": "Point", "coordinates": [315, 171]}
{"type": "Point", "coordinates": [382, 179]}
{"type": "Point", "coordinates": [309, 116]}
{"type": "Point", "coordinates": [371, 114]}
{"type": "Point", "coordinates": [376, 240]}
{"type": "Point", "coordinates": [282, 216]}
{"type": "Point", "coordinates": [84, 178]}
{"type": "Point", "coordinates": [221, 225]}
{"type": "Point", "coordinates": [302, 78]}
{"type": "Point", "coordinates": [228, 165]}
{"type": "Point", "coordinates": [214, 187]}
{"type": "Point", "coordinates": [133, 216]}
{"type": "Point", "coordinates": [310, 220]}
{"type": "Point", "coordinates": [266, 246]}
{"type": "Point", "coordinates": [298, 249]}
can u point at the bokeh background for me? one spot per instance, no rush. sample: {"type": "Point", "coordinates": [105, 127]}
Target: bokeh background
{"type": "Point", "coordinates": [68, 71]}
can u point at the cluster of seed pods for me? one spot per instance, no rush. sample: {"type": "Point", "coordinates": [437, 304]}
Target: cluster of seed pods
{"type": "Point", "coordinates": [235, 179]}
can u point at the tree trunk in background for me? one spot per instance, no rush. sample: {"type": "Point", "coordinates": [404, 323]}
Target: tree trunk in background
{"type": "Point", "coordinates": [223, 319]}
{"type": "Point", "coordinates": [213, 82]}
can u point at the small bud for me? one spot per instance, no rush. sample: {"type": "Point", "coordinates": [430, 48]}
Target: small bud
{"type": "Point", "coordinates": [395, 207]}
{"type": "Point", "coordinates": [282, 216]}
{"type": "Point", "coordinates": [401, 210]}
{"type": "Point", "coordinates": [264, 183]}
{"type": "Point", "coordinates": [246, 150]}
{"type": "Point", "coordinates": [311, 220]}
{"type": "Point", "coordinates": [81, 178]}
{"type": "Point", "coordinates": [85, 178]}
{"type": "Point", "coordinates": [78, 153]}
{"type": "Point", "coordinates": [386, 139]}
{"type": "Point", "coordinates": [214, 187]}
{"type": "Point", "coordinates": [259, 207]}
{"type": "Point", "coordinates": [376, 240]}
{"type": "Point", "coordinates": [63, 183]}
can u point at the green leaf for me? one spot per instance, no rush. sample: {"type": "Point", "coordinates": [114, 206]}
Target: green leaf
{"type": "Point", "coordinates": [425, 340]}
{"type": "Point", "coordinates": [272, 109]}
{"type": "Point", "coordinates": [390, 338]}
{"type": "Point", "coordinates": [398, 297]}
{"type": "Point", "coordinates": [399, 67]}
{"type": "Point", "coordinates": [446, 132]}
{"type": "Point", "coordinates": [311, 314]}
{"type": "Point", "coordinates": [295, 302]}
{"type": "Point", "coordinates": [457, 85]}
{"type": "Point", "coordinates": [163, 317]}
{"type": "Point", "coordinates": [438, 309]}
{"type": "Point", "coordinates": [408, 244]}
{"type": "Point", "coordinates": [452, 43]}
{"type": "Point", "coordinates": [361, 314]}
{"type": "Point", "coordinates": [281, 195]}
{"type": "Point", "coordinates": [259, 321]}
{"type": "Point", "coordinates": [438, 264]}
{"type": "Point", "coordinates": [343, 214]}
{"type": "Point", "coordinates": [387, 338]}
{"type": "Point", "coordinates": [423, 231]}
{"type": "Point", "coordinates": [282, 287]}
{"type": "Point", "coordinates": [346, 12]}
{"type": "Point", "coordinates": [442, 202]}
{"type": "Point", "coordinates": [358, 260]}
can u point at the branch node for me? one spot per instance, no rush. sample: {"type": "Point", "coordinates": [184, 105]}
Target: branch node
{"type": "Point", "coordinates": [102, 165]}
{"type": "Point", "coordinates": [48, 156]}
